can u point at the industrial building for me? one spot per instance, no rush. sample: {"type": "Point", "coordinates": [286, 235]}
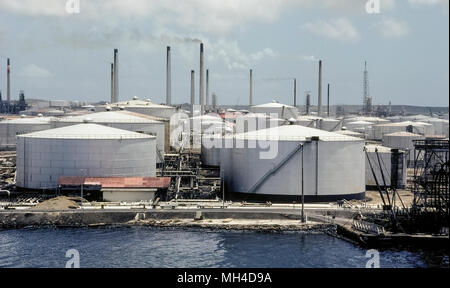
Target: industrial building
{"type": "Point", "coordinates": [86, 150]}
{"type": "Point", "coordinates": [124, 120]}
{"type": "Point", "coordinates": [11, 127]}
{"type": "Point", "coordinates": [332, 165]}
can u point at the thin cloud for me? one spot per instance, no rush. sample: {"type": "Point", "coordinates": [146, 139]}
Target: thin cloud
{"type": "Point", "coordinates": [341, 29]}
{"type": "Point", "coordinates": [391, 28]}
{"type": "Point", "coordinates": [34, 71]}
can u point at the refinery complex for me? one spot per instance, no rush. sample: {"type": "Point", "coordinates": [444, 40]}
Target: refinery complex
{"type": "Point", "coordinates": [391, 168]}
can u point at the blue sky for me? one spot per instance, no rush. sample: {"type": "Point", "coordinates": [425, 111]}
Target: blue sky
{"type": "Point", "coordinates": [56, 55]}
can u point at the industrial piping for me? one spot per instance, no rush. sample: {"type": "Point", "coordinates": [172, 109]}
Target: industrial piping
{"type": "Point", "coordinates": [169, 78]}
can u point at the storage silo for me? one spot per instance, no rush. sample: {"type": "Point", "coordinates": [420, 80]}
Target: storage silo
{"type": "Point", "coordinates": [9, 129]}
{"type": "Point", "coordinates": [374, 120]}
{"type": "Point", "coordinates": [391, 165]}
{"type": "Point", "coordinates": [124, 120]}
{"type": "Point", "coordinates": [267, 165]}
{"type": "Point", "coordinates": [414, 127]}
{"type": "Point", "coordinates": [281, 110]}
{"type": "Point", "coordinates": [213, 146]}
{"type": "Point", "coordinates": [86, 150]}
{"type": "Point", "coordinates": [403, 141]}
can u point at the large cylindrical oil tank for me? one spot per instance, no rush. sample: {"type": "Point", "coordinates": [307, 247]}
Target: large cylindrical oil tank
{"type": "Point", "coordinates": [10, 128]}
{"type": "Point", "coordinates": [124, 120]}
{"type": "Point", "coordinates": [267, 164]}
{"type": "Point", "coordinates": [330, 125]}
{"type": "Point", "coordinates": [87, 150]}
{"type": "Point", "coordinates": [403, 141]}
{"type": "Point", "coordinates": [414, 127]}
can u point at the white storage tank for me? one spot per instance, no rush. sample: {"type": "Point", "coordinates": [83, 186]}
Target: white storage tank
{"type": "Point", "coordinates": [212, 146]}
{"type": "Point", "coordinates": [9, 129]}
{"type": "Point", "coordinates": [330, 125]}
{"type": "Point", "coordinates": [350, 133]}
{"type": "Point", "coordinates": [307, 121]}
{"type": "Point", "coordinates": [374, 120]}
{"type": "Point", "coordinates": [403, 141]}
{"type": "Point", "coordinates": [146, 107]}
{"type": "Point", "coordinates": [124, 120]}
{"type": "Point", "coordinates": [87, 150]}
{"type": "Point", "coordinates": [441, 126]}
{"type": "Point", "coordinates": [358, 126]}
{"type": "Point", "coordinates": [281, 110]}
{"type": "Point", "coordinates": [392, 164]}
{"type": "Point", "coordinates": [269, 165]}
{"type": "Point", "coordinates": [416, 127]}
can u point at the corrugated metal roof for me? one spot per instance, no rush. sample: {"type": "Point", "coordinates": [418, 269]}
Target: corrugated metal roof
{"type": "Point", "coordinates": [87, 131]}
{"type": "Point", "coordinates": [293, 133]}
{"type": "Point", "coordinates": [110, 117]}
{"type": "Point", "coordinates": [117, 182]}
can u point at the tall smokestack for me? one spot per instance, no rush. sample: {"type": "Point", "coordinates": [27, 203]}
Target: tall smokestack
{"type": "Point", "coordinates": [319, 102]}
{"type": "Point", "coordinates": [201, 88]}
{"type": "Point", "coordinates": [192, 92]}
{"type": "Point", "coordinates": [308, 103]}
{"type": "Point", "coordinates": [169, 78]}
{"type": "Point", "coordinates": [214, 101]}
{"type": "Point", "coordinates": [328, 100]}
{"type": "Point", "coordinates": [295, 92]}
{"type": "Point", "coordinates": [8, 82]}
{"type": "Point", "coordinates": [112, 83]}
{"type": "Point", "coordinates": [207, 88]}
{"type": "Point", "coordinates": [116, 75]}
{"type": "Point", "coordinates": [251, 88]}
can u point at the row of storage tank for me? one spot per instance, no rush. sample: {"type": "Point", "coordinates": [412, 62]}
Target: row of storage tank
{"type": "Point", "coordinates": [253, 160]}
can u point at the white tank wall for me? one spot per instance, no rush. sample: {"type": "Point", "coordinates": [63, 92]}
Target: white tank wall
{"type": "Point", "coordinates": [285, 113]}
{"type": "Point", "coordinates": [156, 129]}
{"type": "Point", "coordinates": [330, 125]}
{"type": "Point", "coordinates": [380, 130]}
{"type": "Point", "coordinates": [159, 112]}
{"type": "Point", "coordinates": [9, 131]}
{"type": "Point", "coordinates": [341, 169]}
{"type": "Point", "coordinates": [357, 126]}
{"type": "Point", "coordinates": [404, 143]}
{"type": "Point", "coordinates": [211, 155]}
{"type": "Point", "coordinates": [40, 162]}
{"type": "Point", "coordinates": [386, 166]}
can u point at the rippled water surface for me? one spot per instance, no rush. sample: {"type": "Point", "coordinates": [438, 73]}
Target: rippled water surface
{"type": "Point", "coordinates": [157, 247]}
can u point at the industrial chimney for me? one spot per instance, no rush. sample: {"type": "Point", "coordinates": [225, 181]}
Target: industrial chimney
{"type": "Point", "coordinates": [112, 83]}
{"type": "Point", "coordinates": [214, 101]}
{"type": "Point", "coordinates": [169, 78]}
{"type": "Point", "coordinates": [192, 92]}
{"type": "Point", "coordinates": [295, 92]}
{"type": "Point", "coordinates": [308, 103]}
{"type": "Point", "coordinates": [116, 76]}
{"type": "Point", "coordinates": [251, 88]}
{"type": "Point", "coordinates": [8, 83]}
{"type": "Point", "coordinates": [319, 102]}
{"type": "Point", "coordinates": [328, 100]}
{"type": "Point", "coordinates": [207, 88]}
{"type": "Point", "coordinates": [201, 88]}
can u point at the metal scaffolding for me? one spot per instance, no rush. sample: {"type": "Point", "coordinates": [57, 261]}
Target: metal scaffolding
{"type": "Point", "coordinates": [431, 183]}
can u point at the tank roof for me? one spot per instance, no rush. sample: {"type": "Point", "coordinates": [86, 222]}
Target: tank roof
{"type": "Point", "coordinates": [28, 120]}
{"type": "Point", "coordinates": [110, 117]}
{"type": "Point", "coordinates": [293, 133]}
{"type": "Point", "coordinates": [86, 131]}
{"type": "Point", "coordinates": [403, 134]}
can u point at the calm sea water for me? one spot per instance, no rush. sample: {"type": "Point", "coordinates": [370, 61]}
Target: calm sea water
{"type": "Point", "coordinates": [158, 247]}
